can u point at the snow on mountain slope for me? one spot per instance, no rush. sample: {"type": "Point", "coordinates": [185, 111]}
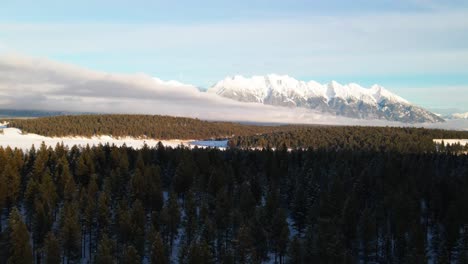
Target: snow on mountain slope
{"type": "Point", "coordinates": [351, 100]}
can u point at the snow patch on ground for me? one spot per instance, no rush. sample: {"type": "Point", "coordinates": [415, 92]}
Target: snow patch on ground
{"type": "Point", "coordinates": [462, 142]}
{"type": "Point", "coordinates": [14, 138]}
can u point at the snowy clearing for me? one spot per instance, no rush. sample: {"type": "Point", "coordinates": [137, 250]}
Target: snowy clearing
{"type": "Point", "coordinates": [452, 141]}
{"type": "Point", "coordinates": [14, 138]}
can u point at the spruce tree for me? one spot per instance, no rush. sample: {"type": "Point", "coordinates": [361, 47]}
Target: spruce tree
{"type": "Point", "coordinates": [104, 212]}
{"type": "Point", "coordinates": [70, 233]}
{"type": "Point", "coordinates": [154, 196]}
{"type": "Point", "coordinates": [20, 250]}
{"type": "Point", "coordinates": [158, 252]}
{"type": "Point", "coordinates": [48, 191]}
{"type": "Point", "coordinates": [130, 256]}
{"type": "Point", "coordinates": [183, 178]}
{"type": "Point", "coordinates": [52, 249]}
{"type": "Point", "coordinates": [173, 220]}
{"type": "Point", "coordinates": [3, 192]}
{"type": "Point", "coordinates": [124, 224]}
{"type": "Point", "coordinates": [12, 181]}
{"type": "Point", "coordinates": [295, 252]}
{"type": "Point", "coordinates": [190, 218]}
{"type": "Point", "coordinates": [244, 245]}
{"type": "Point", "coordinates": [200, 254]}
{"type": "Point", "coordinates": [42, 223]}
{"type": "Point", "coordinates": [104, 251]}
{"type": "Point", "coordinates": [138, 226]}
{"type": "Point", "coordinates": [280, 234]}
{"type": "Point", "coordinates": [138, 185]}
{"type": "Point", "coordinates": [30, 196]}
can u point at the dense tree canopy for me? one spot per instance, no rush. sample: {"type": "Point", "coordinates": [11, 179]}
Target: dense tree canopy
{"type": "Point", "coordinates": [351, 138]}
{"type": "Point", "coordinates": [337, 195]}
{"type": "Point", "coordinates": [239, 206]}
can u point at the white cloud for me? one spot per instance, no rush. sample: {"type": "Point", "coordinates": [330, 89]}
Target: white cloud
{"type": "Point", "coordinates": [41, 84]}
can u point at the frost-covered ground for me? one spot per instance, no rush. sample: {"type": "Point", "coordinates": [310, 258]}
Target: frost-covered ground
{"type": "Point", "coordinates": [14, 138]}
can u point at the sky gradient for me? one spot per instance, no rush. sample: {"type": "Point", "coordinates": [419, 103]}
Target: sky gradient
{"type": "Point", "coordinates": [416, 48]}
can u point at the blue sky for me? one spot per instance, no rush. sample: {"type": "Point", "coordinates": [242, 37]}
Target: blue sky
{"type": "Point", "coordinates": [416, 48]}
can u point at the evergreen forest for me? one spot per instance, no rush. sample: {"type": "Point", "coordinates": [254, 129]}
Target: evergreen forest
{"type": "Point", "coordinates": [297, 195]}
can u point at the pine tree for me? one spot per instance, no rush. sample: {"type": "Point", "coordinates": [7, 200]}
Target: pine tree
{"type": "Point", "coordinates": [12, 181]}
{"type": "Point", "coordinates": [138, 185]}
{"type": "Point", "coordinates": [299, 208]}
{"type": "Point", "coordinates": [103, 211]}
{"type": "Point", "coordinates": [280, 234]}
{"type": "Point", "coordinates": [190, 218]}
{"type": "Point", "coordinates": [48, 192]}
{"type": "Point", "coordinates": [173, 220]}
{"type": "Point", "coordinates": [21, 252]}
{"type": "Point", "coordinates": [183, 178]}
{"type": "Point", "coordinates": [31, 195]}
{"type": "Point", "coordinates": [368, 235]}
{"type": "Point", "coordinates": [3, 192]}
{"type": "Point", "coordinates": [258, 233]}
{"type": "Point", "coordinates": [52, 249]}
{"type": "Point", "coordinates": [40, 162]}
{"type": "Point", "coordinates": [70, 233]}
{"type": "Point", "coordinates": [154, 196]}
{"type": "Point", "coordinates": [69, 189]}
{"type": "Point", "coordinates": [247, 201]}
{"type": "Point", "coordinates": [130, 256]}
{"type": "Point", "coordinates": [417, 253]}
{"type": "Point", "coordinates": [84, 168]}
{"type": "Point", "coordinates": [138, 226]}
{"type": "Point", "coordinates": [199, 253]}
{"type": "Point", "coordinates": [244, 245]}
{"type": "Point", "coordinates": [463, 257]}
{"type": "Point", "coordinates": [104, 252]}
{"type": "Point", "coordinates": [158, 255]}
{"type": "Point", "coordinates": [124, 224]}
{"type": "Point", "coordinates": [88, 207]}
{"type": "Point", "coordinates": [62, 175]}
{"type": "Point", "coordinates": [42, 222]}
{"type": "Point", "coordinates": [295, 252]}
{"type": "Point", "coordinates": [222, 216]}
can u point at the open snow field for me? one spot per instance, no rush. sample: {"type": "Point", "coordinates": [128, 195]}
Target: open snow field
{"type": "Point", "coordinates": [462, 142]}
{"type": "Point", "coordinates": [14, 138]}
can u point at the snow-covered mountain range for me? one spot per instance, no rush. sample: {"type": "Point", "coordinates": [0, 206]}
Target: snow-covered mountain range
{"type": "Point", "coordinates": [349, 100]}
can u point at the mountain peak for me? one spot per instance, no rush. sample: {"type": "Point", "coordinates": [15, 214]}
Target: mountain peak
{"type": "Point", "coordinates": [334, 84]}
{"type": "Point", "coordinates": [350, 100]}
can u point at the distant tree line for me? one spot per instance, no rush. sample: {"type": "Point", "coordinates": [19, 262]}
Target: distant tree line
{"type": "Point", "coordinates": [351, 138]}
{"type": "Point", "coordinates": [141, 126]}
{"type": "Point", "coordinates": [240, 135]}
{"type": "Point", "coordinates": [106, 204]}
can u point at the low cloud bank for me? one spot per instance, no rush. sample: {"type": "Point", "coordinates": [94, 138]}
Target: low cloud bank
{"type": "Point", "coordinates": [41, 84]}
